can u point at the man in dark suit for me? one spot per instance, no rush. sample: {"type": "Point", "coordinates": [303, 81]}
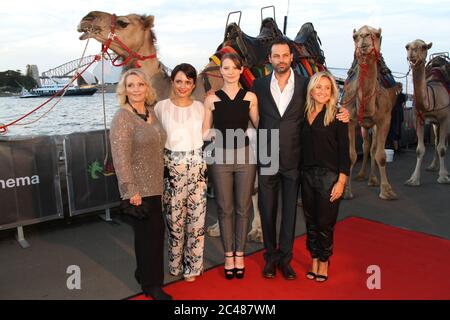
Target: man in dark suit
{"type": "Point", "coordinates": [281, 100]}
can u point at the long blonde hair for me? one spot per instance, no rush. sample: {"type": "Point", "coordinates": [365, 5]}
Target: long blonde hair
{"type": "Point", "coordinates": [121, 90]}
{"type": "Point", "coordinates": [330, 106]}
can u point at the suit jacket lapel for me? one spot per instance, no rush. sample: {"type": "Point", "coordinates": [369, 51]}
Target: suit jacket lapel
{"type": "Point", "coordinates": [269, 92]}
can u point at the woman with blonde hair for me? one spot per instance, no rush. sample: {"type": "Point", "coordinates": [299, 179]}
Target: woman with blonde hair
{"type": "Point", "coordinates": [325, 167]}
{"type": "Point", "coordinates": [137, 143]}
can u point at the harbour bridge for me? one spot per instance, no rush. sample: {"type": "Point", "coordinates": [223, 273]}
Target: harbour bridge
{"type": "Point", "coordinates": [66, 70]}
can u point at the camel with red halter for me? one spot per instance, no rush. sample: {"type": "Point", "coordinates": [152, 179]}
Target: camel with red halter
{"type": "Point", "coordinates": [369, 103]}
{"type": "Point", "coordinates": [132, 38]}
{"type": "Point", "coordinates": [431, 101]}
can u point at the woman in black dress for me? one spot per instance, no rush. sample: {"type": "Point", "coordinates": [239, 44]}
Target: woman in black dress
{"type": "Point", "coordinates": [325, 167]}
{"type": "Point", "coordinates": [230, 110]}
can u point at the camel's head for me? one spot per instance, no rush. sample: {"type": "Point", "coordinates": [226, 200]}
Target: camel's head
{"type": "Point", "coordinates": [367, 40]}
{"type": "Point", "coordinates": [133, 30]}
{"type": "Point", "coordinates": [417, 51]}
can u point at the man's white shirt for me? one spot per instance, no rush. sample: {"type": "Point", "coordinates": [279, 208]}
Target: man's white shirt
{"type": "Point", "coordinates": [282, 99]}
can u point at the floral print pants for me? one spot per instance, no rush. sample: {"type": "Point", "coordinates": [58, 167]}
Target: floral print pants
{"type": "Point", "coordinates": [184, 199]}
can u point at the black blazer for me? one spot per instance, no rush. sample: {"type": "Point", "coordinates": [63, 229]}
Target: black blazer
{"type": "Point", "coordinates": [289, 124]}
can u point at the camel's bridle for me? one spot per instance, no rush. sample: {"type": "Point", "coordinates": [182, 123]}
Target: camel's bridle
{"type": "Point", "coordinates": [361, 78]}
{"type": "Point", "coordinates": [131, 54]}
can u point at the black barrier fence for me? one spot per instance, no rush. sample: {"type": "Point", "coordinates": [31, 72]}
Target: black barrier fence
{"type": "Point", "coordinates": [91, 183]}
{"type": "Point", "coordinates": [29, 181]}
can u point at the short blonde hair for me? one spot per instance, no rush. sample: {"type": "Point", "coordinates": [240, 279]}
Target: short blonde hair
{"type": "Point", "coordinates": [330, 106]}
{"type": "Point", "coordinates": [121, 90]}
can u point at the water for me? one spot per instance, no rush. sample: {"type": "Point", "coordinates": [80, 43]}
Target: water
{"type": "Point", "coordinates": [71, 114]}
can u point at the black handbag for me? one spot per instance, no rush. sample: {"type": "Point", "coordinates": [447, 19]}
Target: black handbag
{"type": "Point", "coordinates": [139, 212]}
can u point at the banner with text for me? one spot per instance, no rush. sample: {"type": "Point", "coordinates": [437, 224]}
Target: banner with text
{"type": "Point", "coordinates": [29, 181]}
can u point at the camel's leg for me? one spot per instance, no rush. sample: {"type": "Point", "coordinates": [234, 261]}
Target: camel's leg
{"type": "Point", "coordinates": [351, 136]}
{"type": "Point", "coordinates": [373, 180]}
{"type": "Point", "coordinates": [414, 180]}
{"type": "Point", "coordinates": [434, 166]}
{"type": "Point", "coordinates": [386, 192]}
{"type": "Point", "coordinates": [441, 150]}
{"type": "Point", "coordinates": [366, 148]}
{"type": "Point", "coordinates": [255, 233]}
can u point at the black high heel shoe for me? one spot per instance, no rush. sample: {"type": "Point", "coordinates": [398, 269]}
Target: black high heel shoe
{"type": "Point", "coordinates": [322, 278]}
{"type": "Point", "coordinates": [229, 273]}
{"type": "Point", "coordinates": [239, 272]}
{"type": "Point", "coordinates": [311, 275]}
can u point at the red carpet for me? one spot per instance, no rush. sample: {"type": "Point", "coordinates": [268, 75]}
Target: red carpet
{"type": "Point", "coordinates": [413, 266]}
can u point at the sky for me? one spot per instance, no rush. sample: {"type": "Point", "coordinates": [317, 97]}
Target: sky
{"type": "Point", "coordinates": [44, 32]}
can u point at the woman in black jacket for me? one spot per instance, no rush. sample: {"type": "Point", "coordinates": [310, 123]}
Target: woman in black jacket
{"type": "Point", "coordinates": [325, 167]}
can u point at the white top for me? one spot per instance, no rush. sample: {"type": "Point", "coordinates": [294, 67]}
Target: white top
{"type": "Point", "coordinates": [183, 125]}
{"type": "Point", "coordinates": [282, 99]}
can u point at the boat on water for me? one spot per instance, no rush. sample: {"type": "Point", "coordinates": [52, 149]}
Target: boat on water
{"type": "Point", "coordinates": [50, 90]}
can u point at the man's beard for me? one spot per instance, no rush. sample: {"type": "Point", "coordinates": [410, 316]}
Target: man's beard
{"type": "Point", "coordinates": [281, 69]}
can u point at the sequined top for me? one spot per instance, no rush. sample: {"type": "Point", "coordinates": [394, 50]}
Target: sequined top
{"type": "Point", "coordinates": [137, 151]}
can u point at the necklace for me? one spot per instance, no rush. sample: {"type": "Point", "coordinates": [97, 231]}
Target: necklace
{"type": "Point", "coordinates": [140, 115]}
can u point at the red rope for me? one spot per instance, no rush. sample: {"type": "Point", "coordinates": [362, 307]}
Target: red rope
{"type": "Point", "coordinates": [4, 128]}
{"type": "Point", "coordinates": [363, 70]}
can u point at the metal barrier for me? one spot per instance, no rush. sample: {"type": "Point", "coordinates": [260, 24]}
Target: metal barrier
{"type": "Point", "coordinates": [30, 190]}
{"type": "Point", "coordinates": [91, 184]}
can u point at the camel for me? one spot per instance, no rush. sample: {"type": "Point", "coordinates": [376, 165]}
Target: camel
{"type": "Point", "coordinates": [369, 103]}
{"type": "Point", "coordinates": [431, 95]}
{"type": "Point", "coordinates": [136, 33]}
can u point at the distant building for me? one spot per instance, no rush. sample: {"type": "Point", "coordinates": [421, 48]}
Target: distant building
{"type": "Point", "coordinates": [32, 71]}
{"type": "Point", "coordinates": [111, 74]}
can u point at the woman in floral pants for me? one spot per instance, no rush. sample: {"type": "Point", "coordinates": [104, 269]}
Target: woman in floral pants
{"type": "Point", "coordinates": [185, 180]}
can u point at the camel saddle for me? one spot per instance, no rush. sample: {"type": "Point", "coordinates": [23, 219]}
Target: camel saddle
{"type": "Point", "coordinates": [254, 50]}
{"type": "Point", "coordinates": [307, 37]}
